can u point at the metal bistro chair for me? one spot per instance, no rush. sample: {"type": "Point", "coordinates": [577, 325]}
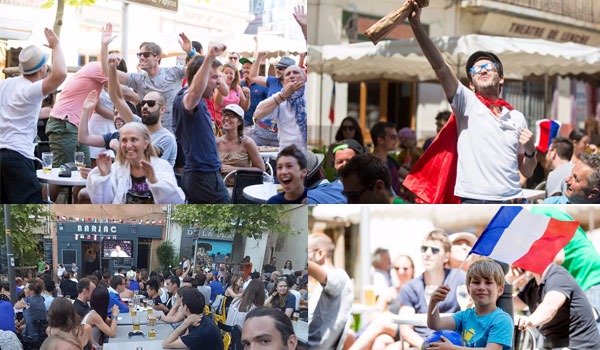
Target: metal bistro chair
{"type": "Point", "coordinates": [243, 178]}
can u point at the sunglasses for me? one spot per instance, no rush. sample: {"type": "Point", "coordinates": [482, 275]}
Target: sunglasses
{"type": "Point", "coordinates": [280, 68]}
{"type": "Point", "coordinates": [150, 103]}
{"type": "Point", "coordinates": [434, 250]}
{"type": "Point", "coordinates": [490, 67]}
{"type": "Point", "coordinates": [348, 127]}
{"type": "Point", "coordinates": [233, 58]}
{"type": "Point", "coordinates": [145, 54]}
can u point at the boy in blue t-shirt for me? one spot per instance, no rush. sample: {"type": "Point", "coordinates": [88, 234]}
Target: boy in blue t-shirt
{"type": "Point", "coordinates": [482, 326]}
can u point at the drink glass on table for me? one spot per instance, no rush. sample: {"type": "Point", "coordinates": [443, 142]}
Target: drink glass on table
{"type": "Point", "coordinates": [79, 160]}
{"type": "Point", "coordinates": [269, 185]}
{"type": "Point", "coordinates": [47, 158]}
{"type": "Point", "coordinates": [151, 332]}
{"type": "Point", "coordinates": [132, 310]}
{"type": "Point", "coordinates": [136, 323]}
{"type": "Point", "coordinates": [295, 316]}
{"type": "Point", "coordinates": [151, 320]}
{"type": "Point", "coordinates": [370, 297]}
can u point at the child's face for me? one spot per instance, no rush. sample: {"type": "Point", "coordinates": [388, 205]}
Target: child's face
{"type": "Point", "coordinates": [484, 291]}
{"type": "Point", "coordinates": [289, 174]}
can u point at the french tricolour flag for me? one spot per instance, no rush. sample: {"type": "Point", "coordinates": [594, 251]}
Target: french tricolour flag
{"type": "Point", "coordinates": [526, 240]}
{"type": "Point", "coordinates": [546, 130]}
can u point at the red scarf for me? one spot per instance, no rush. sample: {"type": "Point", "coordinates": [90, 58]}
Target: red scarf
{"type": "Point", "coordinates": [433, 177]}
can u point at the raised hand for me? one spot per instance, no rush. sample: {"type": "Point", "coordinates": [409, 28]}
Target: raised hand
{"type": "Point", "coordinates": [148, 171]}
{"type": "Point", "coordinates": [53, 40]}
{"type": "Point", "coordinates": [91, 100]}
{"type": "Point", "coordinates": [113, 60]}
{"type": "Point", "coordinates": [216, 49]}
{"type": "Point", "coordinates": [440, 294]}
{"type": "Point", "coordinates": [291, 87]}
{"type": "Point", "coordinates": [103, 163]}
{"type": "Point", "coordinates": [184, 42]}
{"type": "Point", "coordinates": [300, 15]}
{"type": "Point", "coordinates": [526, 139]}
{"type": "Point", "coordinates": [107, 34]}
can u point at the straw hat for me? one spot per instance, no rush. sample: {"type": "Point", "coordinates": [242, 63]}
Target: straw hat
{"type": "Point", "coordinates": [31, 59]}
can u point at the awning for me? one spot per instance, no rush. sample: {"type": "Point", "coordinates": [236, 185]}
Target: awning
{"type": "Point", "coordinates": [12, 29]}
{"type": "Point", "coordinates": [403, 60]}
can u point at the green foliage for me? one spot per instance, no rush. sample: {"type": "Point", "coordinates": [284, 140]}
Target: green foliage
{"type": "Point", "coordinates": [247, 220]}
{"type": "Point", "coordinates": [76, 3]}
{"type": "Point", "coordinates": [166, 255]}
{"type": "Point", "coordinates": [26, 220]}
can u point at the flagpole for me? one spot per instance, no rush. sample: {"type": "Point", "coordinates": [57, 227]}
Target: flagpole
{"type": "Point", "coordinates": [459, 268]}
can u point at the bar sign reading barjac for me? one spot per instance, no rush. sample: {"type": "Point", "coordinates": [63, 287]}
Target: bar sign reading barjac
{"type": "Point", "coordinates": [170, 5]}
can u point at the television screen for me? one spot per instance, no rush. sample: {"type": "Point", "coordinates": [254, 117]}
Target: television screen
{"type": "Point", "coordinates": [117, 248]}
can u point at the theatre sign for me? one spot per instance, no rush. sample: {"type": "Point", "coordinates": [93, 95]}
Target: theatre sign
{"type": "Point", "coordinates": [170, 5]}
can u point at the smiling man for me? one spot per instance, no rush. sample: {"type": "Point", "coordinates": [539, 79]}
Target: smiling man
{"type": "Point", "coordinates": [494, 143]}
{"type": "Point", "coordinates": [366, 180]}
{"type": "Point", "coordinates": [583, 185]}
{"type": "Point", "coordinates": [291, 172]}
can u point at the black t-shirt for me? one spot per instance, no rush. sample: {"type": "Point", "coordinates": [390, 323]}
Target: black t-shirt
{"type": "Point", "coordinates": [69, 288]}
{"type": "Point", "coordinates": [268, 268]}
{"type": "Point", "coordinates": [81, 308]}
{"type": "Point", "coordinates": [573, 326]}
{"type": "Point", "coordinates": [139, 193]}
{"type": "Point", "coordinates": [205, 336]}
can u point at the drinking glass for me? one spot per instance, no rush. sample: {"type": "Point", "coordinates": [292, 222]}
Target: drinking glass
{"type": "Point", "coordinates": [47, 158]}
{"type": "Point", "coordinates": [151, 332]}
{"type": "Point", "coordinates": [370, 297]}
{"type": "Point", "coordinates": [269, 185]}
{"type": "Point", "coordinates": [136, 323]}
{"type": "Point", "coordinates": [79, 160]}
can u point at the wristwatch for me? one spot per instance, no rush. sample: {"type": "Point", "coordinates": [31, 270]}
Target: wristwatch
{"type": "Point", "coordinates": [531, 155]}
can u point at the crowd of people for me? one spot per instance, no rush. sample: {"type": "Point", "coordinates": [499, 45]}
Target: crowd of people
{"type": "Point", "coordinates": [165, 135]}
{"type": "Point", "coordinates": [484, 301]}
{"type": "Point", "coordinates": [87, 308]}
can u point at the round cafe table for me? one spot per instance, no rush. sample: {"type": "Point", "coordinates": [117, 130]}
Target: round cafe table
{"type": "Point", "coordinates": [54, 179]}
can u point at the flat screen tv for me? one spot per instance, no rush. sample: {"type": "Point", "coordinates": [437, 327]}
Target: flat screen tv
{"type": "Point", "coordinates": [117, 248]}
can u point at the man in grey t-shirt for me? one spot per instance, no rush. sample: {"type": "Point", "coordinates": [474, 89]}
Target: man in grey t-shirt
{"type": "Point", "coordinates": [153, 110]}
{"type": "Point", "coordinates": [330, 297]}
{"type": "Point", "coordinates": [558, 163]}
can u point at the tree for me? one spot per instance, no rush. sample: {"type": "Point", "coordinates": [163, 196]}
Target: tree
{"type": "Point", "coordinates": [166, 255]}
{"type": "Point", "coordinates": [60, 10]}
{"type": "Point", "coordinates": [242, 220]}
{"type": "Point", "coordinates": [27, 219]}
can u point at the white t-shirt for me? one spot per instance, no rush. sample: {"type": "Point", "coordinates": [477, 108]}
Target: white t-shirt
{"type": "Point", "coordinates": [20, 105]}
{"type": "Point", "coordinates": [488, 149]}
{"type": "Point", "coordinates": [288, 130]}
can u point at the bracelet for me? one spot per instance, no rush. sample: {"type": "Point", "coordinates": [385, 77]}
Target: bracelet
{"type": "Point", "coordinates": [530, 155]}
{"type": "Point", "coordinates": [275, 98]}
{"type": "Point", "coordinates": [192, 53]}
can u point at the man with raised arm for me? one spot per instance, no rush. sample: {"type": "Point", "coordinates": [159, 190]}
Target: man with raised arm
{"type": "Point", "coordinates": [201, 181]}
{"type": "Point", "coordinates": [20, 104]}
{"type": "Point", "coordinates": [494, 143]}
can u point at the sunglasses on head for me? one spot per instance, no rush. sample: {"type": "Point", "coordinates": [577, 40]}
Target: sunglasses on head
{"type": "Point", "coordinates": [434, 250]}
{"type": "Point", "coordinates": [145, 54]}
{"type": "Point", "coordinates": [490, 67]}
{"type": "Point", "coordinates": [150, 103]}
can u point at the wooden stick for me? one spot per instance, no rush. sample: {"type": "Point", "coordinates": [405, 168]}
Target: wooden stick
{"type": "Point", "coordinates": [385, 25]}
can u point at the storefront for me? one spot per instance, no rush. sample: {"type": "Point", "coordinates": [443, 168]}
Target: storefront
{"type": "Point", "coordinates": [203, 243]}
{"type": "Point", "coordinates": [103, 246]}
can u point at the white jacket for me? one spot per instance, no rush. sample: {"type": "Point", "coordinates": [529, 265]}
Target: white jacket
{"type": "Point", "coordinates": [113, 187]}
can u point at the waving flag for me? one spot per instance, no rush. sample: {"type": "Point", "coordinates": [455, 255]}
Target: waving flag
{"type": "Point", "coordinates": [526, 240]}
{"type": "Point", "coordinates": [546, 130]}
{"type": "Point", "coordinates": [332, 105]}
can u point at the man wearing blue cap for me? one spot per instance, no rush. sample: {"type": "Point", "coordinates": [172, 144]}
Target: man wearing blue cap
{"type": "Point", "coordinates": [20, 104]}
{"type": "Point", "coordinates": [257, 91]}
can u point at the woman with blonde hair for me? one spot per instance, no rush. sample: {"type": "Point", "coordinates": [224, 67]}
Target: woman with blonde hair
{"type": "Point", "coordinates": [138, 176]}
{"type": "Point", "coordinates": [253, 297]}
{"type": "Point", "coordinates": [237, 95]}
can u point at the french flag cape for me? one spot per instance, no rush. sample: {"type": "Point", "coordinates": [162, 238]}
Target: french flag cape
{"type": "Point", "coordinates": [526, 240]}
